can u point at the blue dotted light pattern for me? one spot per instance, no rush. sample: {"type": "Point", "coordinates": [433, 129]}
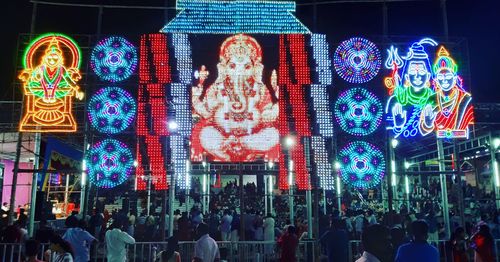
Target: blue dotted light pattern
{"type": "Point", "coordinates": [109, 163]}
{"type": "Point", "coordinates": [357, 60]}
{"type": "Point", "coordinates": [111, 110]}
{"type": "Point", "coordinates": [114, 59]}
{"type": "Point", "coordinates": [362, 165]}
{"type": "Point", "coordinates": [358, 111]}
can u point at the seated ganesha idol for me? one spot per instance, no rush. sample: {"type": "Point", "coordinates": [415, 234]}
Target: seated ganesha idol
{"type": "Point", "coordinates": [237, 117]}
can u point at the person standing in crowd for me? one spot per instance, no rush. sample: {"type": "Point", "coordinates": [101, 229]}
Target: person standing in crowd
{"type": "Point", "coordinates": [482, 242]}
{"type": "Point", "coordinates": [184, 228]}
{"type": "Point", "coordinates": [418, 250]}
{"type": "Point", "coordinates": [131, 223]}
{"type": "Point", "coordinates": [372, 220]}
{"type": "Point", "coordinates": [225, 225]}
{"type": "Point", "coordinates": [258, 230]}
{"type": "Point", "coordinates": [205, 249]}
{"type": "Point", "coordinates": [44, 232]}
{"type": "Point", "coordinates": [288, 243]}
{"type": "Point", "coordinates": [269, 234]}
{"type": "Point", "coordinates": [59, 250]}
{"type": "Point", "coordinates": [335, 242]}
{"type": "Point", "coordinates": [433, 226]}
{"type": "Point", "coordinates": [376, 242]}
{"type": "Point", "coordinates": [31, 249]}
{"type": "Point", "coordinates": [171, 254]}
{"type": "Point", "coordinates": [359, 222]}
{"type": "Point", "coordinates": [116, 241]}
{"type": "Point", "coordinates": [79, 239]}
{"type": "Point", "coordinates": [235, 227]}
{"type": "Point", "coordinates": [457, 246]}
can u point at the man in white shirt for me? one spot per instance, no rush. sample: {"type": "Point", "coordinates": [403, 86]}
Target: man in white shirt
{"type": "Point", "coordinates": [116, 241]}
{"type": "Point", "coordinates": [376, 241]}
{"type": "Point", "coordinates": [225, 225]}
{"type": "Point", "coordinates": [205, 249]}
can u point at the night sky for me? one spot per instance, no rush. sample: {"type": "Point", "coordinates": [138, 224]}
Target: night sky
{"type": "Point", "coordinates": [478, 22]}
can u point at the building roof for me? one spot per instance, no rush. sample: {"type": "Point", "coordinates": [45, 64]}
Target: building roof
{"type": "Point", "coordinates": [231, 17]}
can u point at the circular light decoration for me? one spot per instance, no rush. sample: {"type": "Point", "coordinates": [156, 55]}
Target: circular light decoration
{"type": "Point", "coordinates": [358, 111]}
{"type": "Point", "coordinates": [114, 59]}
{"type": "Point", "coordinates": [111, 110]}
{"type": "Point", "coordinates": [109, 163]}
{"type": "Point", "coordinates": [362, 165]}
{"type": "Point", "coordinates": [357, 60]}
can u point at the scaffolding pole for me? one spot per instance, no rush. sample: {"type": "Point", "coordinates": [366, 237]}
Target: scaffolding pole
{"type": "Point", "coordinates": [444, 190]}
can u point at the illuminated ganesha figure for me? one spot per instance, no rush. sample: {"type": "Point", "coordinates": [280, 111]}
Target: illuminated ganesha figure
{"type": "Point", "coordinates": [237, 115]}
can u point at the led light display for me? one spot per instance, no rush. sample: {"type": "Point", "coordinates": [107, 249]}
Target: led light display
{"type": "Point", "coordinates": [114, 59]}
{"type": "Point", "coordinates": [50, 76]}
{"type": "Point", "coordinates": [109, 163]}
{"type": "Point", "coordinates": [323, 165]}
{"type": "Point", "coordinates": [410, 89]}
{"type": "Point", "coordinates": [235, 117]}
{"type": "Point", "coordinates": [319, 92]}
{"type": "Point", "coordinates": [357, 60]}
{"type": "Point", "coordinates": [358, 111]}
{"type": "Point", "coordinates": [453, 113]}
{"type": "Point", "coordinates": [111, 110]}
{"type": "Point", "coordinates": [426, 98]}
{"type": "Point", "coordinates": [232, 17]}
{"type": "Point", "coordinates": [182, 108]}
{"type": "Point", "coordinates": [362, 165]}
{"type": "Point", "coordinates": [155, 76]}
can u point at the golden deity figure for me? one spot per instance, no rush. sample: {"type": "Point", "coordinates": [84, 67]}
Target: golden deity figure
{"type": "Point", "coordinates": [237, 114]}
{"type": "Point", "coordinates": [50, 85]}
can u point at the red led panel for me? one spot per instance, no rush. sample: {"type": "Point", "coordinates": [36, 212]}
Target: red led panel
{"type": "Point", "coordinates": [152, 127]}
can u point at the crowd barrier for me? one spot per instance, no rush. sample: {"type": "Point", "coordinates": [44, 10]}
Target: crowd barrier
{"type": "Point", "coordinates": [243, 251]}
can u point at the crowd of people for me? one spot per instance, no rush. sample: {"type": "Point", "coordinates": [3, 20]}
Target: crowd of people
{"type": "Point", "coordinates": [359, 217]}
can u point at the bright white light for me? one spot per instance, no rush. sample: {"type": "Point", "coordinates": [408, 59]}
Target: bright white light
{"type": "Point", "coordinates": [204, 184]}
{"type": "Point", "coordinates": [393, 175]}
{"type": "Point", "coordinates": [407, 165]}
{"type": "Point", "coordinates": [495, 173]}
{"type": "Point", "coordinates": [84, 165]}
{"type": "Point", "coordinates": [496, 142]}
{"type": "Point", "coordinates": [270, 164]}
{"type": "Point", "coordinates": [336, 165]}
{"type": "Point", "coordinates": [290, 173]}
{"type": "Point", "coordinates": [84, 179]}
{"type": "Point", "coordinates": [289, 141]}
{"type": "Point", "coordinates": [393, 166]}
{"type": "Point", "coordinates": [338, 186]}
{"type": "Point", "coordinates": [88, 146]}
{"type": "Point", "coordinates": [136, 163]}
{"type": "Point", "coordinates": [172, 125]}
{"type": "Point", "coordinates": [271, 186]}
{"type": "Point", "coordinates": [394, 143]}
{"type": "Point", "coordinates": [204, 164]}
{"type": "Point", "coordinates": [407, 185]}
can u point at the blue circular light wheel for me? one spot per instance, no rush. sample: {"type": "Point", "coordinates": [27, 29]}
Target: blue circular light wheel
{"type": "Point", "coordinates": [358, 111]}
{"type": "Point", "coordinates": [357, 60]}
{"type": "Point", "coordinates": [114, 59]}
{"type": "Point", "coordinates": [109, 163]}
{"type": "Point", "coordinates": [362, 165]}
{"type": "Point", "coordinates": [111, 110]}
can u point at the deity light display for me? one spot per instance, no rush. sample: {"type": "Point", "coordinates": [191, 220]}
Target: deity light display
{"type": "Point", "coordinates": [357, 60]}
{"type": "Point", "coordinates": [109, 163]}
{"type": "Point", "coordinates": [114, 59]}
{"type": "Point", "coordinates": [424, 97]}
{"type": "Point", "coordinates": [362, 165]}
{"type": "Point", "coordinates": [453, 113]}
{"type": "Point", "coordinates": [50, 76]}
{"type": "Point", "coordinates": [233, 97]}
{"type": "Point", "coordinates": [358, 111]}
{"type": "Point", "coordinates": [111, 110]}
{"type": "Point", "coordinates": [235, 116]}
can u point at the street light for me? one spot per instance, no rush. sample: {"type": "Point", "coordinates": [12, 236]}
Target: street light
{"type": "Point", "coordinates": [496, 142]}
{"type": "Point", "coordinates": [172, 125]}
{"type": "Point", "coordinates": [289, 141]}
{"type": "Point", "coordinates": [394, 143]}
